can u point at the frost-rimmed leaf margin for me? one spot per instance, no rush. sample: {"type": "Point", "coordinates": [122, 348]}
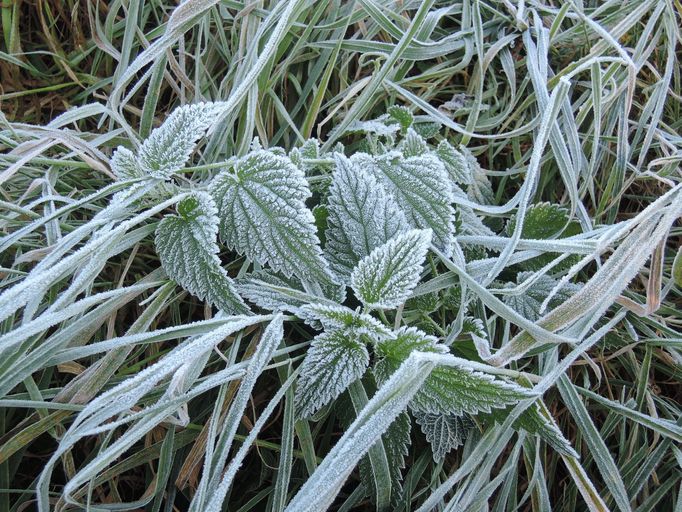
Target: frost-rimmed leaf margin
{"type": "Point", "coordinates": [385, 278]}
{"type": "Point", "coordinates": [362, 216]}
{"type": "Point", "coordinates": [261, 203]}
{"type": "Point", "coordinates": [188, 249]}
{"type": "Point", "coordinates": [335, 359]}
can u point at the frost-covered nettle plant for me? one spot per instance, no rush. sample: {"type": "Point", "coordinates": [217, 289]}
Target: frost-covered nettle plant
{"type": "Point", "coordinates": [389, 260]}
{"type": "Point", "coordinates": [387, 214]}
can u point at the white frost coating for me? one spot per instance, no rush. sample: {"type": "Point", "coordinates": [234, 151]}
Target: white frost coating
{"type": "Point", "coordinates": [444, 432]}
{"type": "Point", "coordinates": [263, 215]}
{"type": "Point", "coordinates": [124, 164]}
{"type": "Point", "coordinates": [218, 497]}
{"type": "Point", "coordinates": [413, 144]}
{"type": "Point", "coordinates": [168, 147]}
{"type": "Point", "coordinates": [188, 249]}
{"type": "Point", "coordinates": [385, 278]}
{"type": "Point", "coordinates": [479, 190]}
{"type": "Point", "coordinates": [455, 163]}
{"type": "Point", "coordinates": [458, 389]}
{"type": "Point", "coordinates": [362, 216]}
{"type": "Point", "coordinates": [212, 477]}
{"type": "Point", "coordinates": [334, 360]}
{"type": "Point", "coordinates": [419, 185]}
{"type": "Point", "coordinates": [340, 317]}
{"type": "Point", "coordinates": [318, 493]}
{"type": "Point", "coordinates": [376, 126]}
{"type": "Point", "coordinates": [529, 302]}
{"type": "Point", "coordinates": [125, 395]}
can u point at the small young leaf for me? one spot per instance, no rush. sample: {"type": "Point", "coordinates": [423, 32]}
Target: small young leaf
{"type": "Point", "coordinates": [419, 186]}
{"type": "Point", "coordinates": [168, 147]}
{"type": "Point", "coordinates": [385, 278]}
{"type": "Point", "coordinates": [334, 360]}
{"type": "Point", "coordinates": [402, 115]}
{"type": "Point", "coordinates": [186, 244]}
{"type": "Point", "coordinates": [444, 432]}
{"type": "Point", "coordinates": [343, 318]}
{"type": "Point", "coordinates": [264, 216]}
{"type": "Point", "coordinates": [362, 216]}
{"type": "Point", "coordinates": [413, 144]}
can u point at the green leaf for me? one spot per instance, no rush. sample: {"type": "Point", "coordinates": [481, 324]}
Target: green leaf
{"type": "Point", "coordinates": [538, 422]}
{"type": "Point", "coordinates": [448, 389]}
{"type": "Point", "coordinates": [413, 144]}
{"type": "Point", "coordinates": [186, 244]}
{"type": "Point", "coordinates": [455, 163]}
{"type": "Point", "coordinates": [124, 164]}
{"type": "Point", "coordinates": [340, 317]}
{"type": "Point", "coordinates": [444, 432]}
{"type": "Point", "coordinates": [542, 221]}
{"type": "Point", "coordinates": [168, 148]}
{"type": "Point", "coordinates": [362, 216]}
{"type": "Point", "coordinates": [529, 302]}
{"type": "Point", "coordinates": [460, 389]}
{"type": "Point", "coordinates": [263, 215]}
{"type": "Point", "coordinates": [677, 268]}
{"type": "Point", "coordinates": [385, 278]}
{"type": "Point", "coordinates": [402, 115]}
{"type": "Point", "coordinates": [334, 360]}
{"type": "Point", "coordinates": [391, 352]}
{"type": "Point", "coordinates": [418, 184]}
{"type": "Point", "coordinates": [480, 190]}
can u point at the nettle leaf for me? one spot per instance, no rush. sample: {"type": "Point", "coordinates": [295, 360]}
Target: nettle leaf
{"type": "Point", "coordinates": [396, 441]}
{"type": "Point", "coordinates": [417, 184]}
{"type": "Point", "coordinates": [470, 223]}
{"type": "Point", "coordinates": [334, 360]}
{"type": "Point", "coordinates": [343, 318]}
{"type": "Point", "coordinates": [480, 189]}
{"type": "Point", "coordinates": [168, 147]}
{"type": "Point", "coordinates": [385, 278]}
{"type": "Point", "coordinates": [455, 163]}
{"type": "Point", "coordinates": [459, 389]}
{"type": "Point", "coordinates": [124, 164]}
{"type": "Point", "coordinates": [402, 115]}
{"type": "Point", "coordinates": [542, 221]}
{"type": "Point", "coordinates": [448, 389]}
{"type": "Point", "coordinates": [391, 352]}
{"type": "Point", "coordinates": [362, 216]}
{"type": "Point", "coordinates": [309, 150]}
{"type": "Point", "coordinates": [186, 244]}
{"type": "Point", "coordinates": [264, 216]}
{"type": "Point", "coordinates": [444, 432]}
{"type": "Point", "coordinates": [529, 303]}
{"type": "Point", "coordinates": [413, 144]}
{"type": "Point", "coordinates": [428, 130]}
